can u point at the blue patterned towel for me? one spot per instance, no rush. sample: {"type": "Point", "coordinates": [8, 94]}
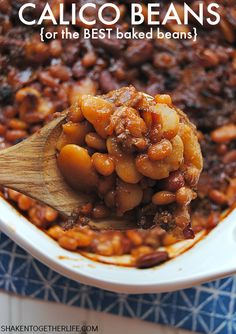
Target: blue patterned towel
{"type": "Point", "coordinates": [209, 308]}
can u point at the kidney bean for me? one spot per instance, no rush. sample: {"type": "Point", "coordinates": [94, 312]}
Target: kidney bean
{"type": "Point", "coordinates": [151, 259]}
{"type": "Point", "coordinates": [174, 181]}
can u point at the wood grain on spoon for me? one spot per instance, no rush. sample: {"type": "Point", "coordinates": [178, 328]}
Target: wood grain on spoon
{"type": "Point", "coordinates": [30, 167]}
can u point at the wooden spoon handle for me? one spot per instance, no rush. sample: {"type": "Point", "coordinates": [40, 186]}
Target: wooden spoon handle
{"type": "Point", "coordinates": [30, 167]}
{"type": "Point", "coordinates": [21, 165]}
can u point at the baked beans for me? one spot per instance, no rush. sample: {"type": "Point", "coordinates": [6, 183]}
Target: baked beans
{"type": "Point", "coordinates": [122, 170]}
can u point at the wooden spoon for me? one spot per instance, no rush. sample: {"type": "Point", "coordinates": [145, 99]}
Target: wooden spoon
{"type": "Point", "coordinates": [30, 167]}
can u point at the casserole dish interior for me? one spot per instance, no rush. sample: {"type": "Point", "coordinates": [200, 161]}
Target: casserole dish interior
{"type": "Point", "coordinates": [208, 259]}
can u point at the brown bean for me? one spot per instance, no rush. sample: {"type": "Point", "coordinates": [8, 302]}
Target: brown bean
{"type": "Point", "coordinates": [229, 157]}
{"type": "Point", "coordinates": [14, 135]}
{"type": "Point", "coordinates": [75, 115]}
{"type": "Point", "coordinates": [151, 259]}
{"type": "Point", "coordinates": [50, 214]}
{"type": "Point", "coordinates": [10, 111]}
{"type": "Point", "coordinates": [169, 239]}
{"type": "Point", "coordinates": [147, 117]}
{"type": "Point", "coordinates": [163, 98]}
{"type": "Point", "coordinates": [2, 129]}
{"type": "Point", "coordinates": [118, 244]}
{"type": "Point", "coordinates": [89, 59]}
{"type": "Point", "coordinates": [35, 50]}
{"type": "Point", "coordinates": [94, 141]}
{"type": "Point", "coordinates": [164, 60]}
{"type": "Point", "coordinates": [17, 124]}
{"type": "Point", "coordinates": [48, 80]}
{"type": "Point", "coordinates": [191, 175]}
{"type": "Point", "coordinates": [82, 239]}
{"type": "Point", "coordinates": [55, 232]}
{"type": "Point", "coordinates": [76, 166]}
{"type": "Point", "coordinates": [178, 27]}
{"type": "Point", "coordinates": [60, 71]}
{"type": "Point", "coordinates": [36, 215]}
{"type": "Point", "coordinates": [217, 196]}
{"type": "Point", "coordinates": [127, 170]}
{"type": "Point", "coordinates": [184, 195]}
{"type": "Point", "coordinates": [84, 86]}
{"type": "Point", "coordinates": [153, 169]}
{"type": "Point", "coordinates": [160, 150]}
{"type": "Point", "coordinates": [141, 250]}
{"type": "Point", "coordinates": [24, 202]}
{"type": "Point", "coordinates": [192, 150]}
{"type": "Point", "coordinates": [213, 219]}
{"type": "Point", "coordinates": [104, 248]}
{"type": "Point", "coordinates": [208, 58]}
{"type": "Point", "coordinates": [163, 198]}
{"type": "Point", "coordinates": [135, 125]}
{"type": "Point", "coordinates": [128, 196]}
{"type": "Point", "coordinates": [25, 92]}
{"type": "Point", "coordinates": [224, 134]}
{"type": "Point", "coordinates": [14, 195]}
{"type": "Point", "coordinates": [138, 52]}
{"type": "Point", "coordinates": [169, 120]}
{"type": "Point", "coordinates": [103, 164]}
{"type": "Point", "coordinates": [135, 237]}
{"type": "Point", "coordinates": [222, 149]}
{"type": "Point", "coordinates": [174, 181]}
{"type": "Point", "coordinates": [73, 133]}
{"type": "Point", "coordinates": [97, 111]}
{"type": "Point", "coordinates": [68, 243]}
{"type": "Point", "coordinates": [158, 170]}
{"type": "Point", "coordinates": [231, 192]}
{"type": "Point", "coordinates": [156, 133]}
{"type": "Point", "coordinates": [55, 48]}
{"type": "Point", "coordinates": [5, 6]}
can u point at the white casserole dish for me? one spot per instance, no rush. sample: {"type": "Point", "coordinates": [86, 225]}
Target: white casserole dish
{"type": "Point", "coordinates": [210, 258]}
